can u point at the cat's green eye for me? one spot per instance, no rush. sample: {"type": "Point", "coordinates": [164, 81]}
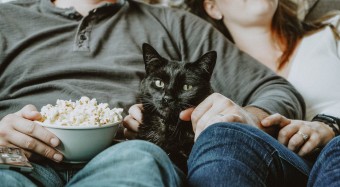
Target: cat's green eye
{"type": "Point", "coordinates": [159, 83]}
{"type": "Point", "coordinates": [187, 87]}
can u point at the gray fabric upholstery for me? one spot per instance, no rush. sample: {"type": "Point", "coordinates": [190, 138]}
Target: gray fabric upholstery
{"type": "Point", "coordinates": [321, 7]}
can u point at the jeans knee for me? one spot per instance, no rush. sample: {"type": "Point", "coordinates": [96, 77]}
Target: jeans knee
{"type": "Point", "coordinates": [131, 150]}
{"type": "Point", "coordinates": [325, 171]}
{"type": "Point", "coordinates": [13, 178]}
{"type": "Point", "coordinates": [218, 130]}
{"type": "Point", "coordinates": [334, 143]}
{"type": "Point", "coordinates": [133, 146]}
{"type": "Point", "coordinates": [129, 163]}
{"type": "Point", "coordinates": [331, 149]}
{"type": "Point", "coordinates": [239, 141]}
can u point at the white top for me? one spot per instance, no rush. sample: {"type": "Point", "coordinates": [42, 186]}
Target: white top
{"type": "Point", "coordinates": [315, 72]}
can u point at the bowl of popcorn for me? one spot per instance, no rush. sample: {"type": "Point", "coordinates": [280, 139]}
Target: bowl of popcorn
{"type": "Point", "coordinates": [84, 127]}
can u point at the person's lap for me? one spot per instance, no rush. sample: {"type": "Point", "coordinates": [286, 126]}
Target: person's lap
{"type": "Point", "coordinates": [232, 154]}
{"type": "Point", "coordinates": [225, 154]}
{"type": "Point", "coordinates": [130, 163]}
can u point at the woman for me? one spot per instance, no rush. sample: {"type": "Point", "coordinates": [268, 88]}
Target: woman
{"type": "Point", "coordinates": [305, 54]}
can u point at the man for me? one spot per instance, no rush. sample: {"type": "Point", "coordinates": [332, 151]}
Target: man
{"type": "Point", "coordinates": [65, 49]}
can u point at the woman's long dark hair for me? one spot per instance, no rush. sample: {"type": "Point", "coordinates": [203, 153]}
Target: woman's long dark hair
{"type": "Point", "coordinates": [288, 29]}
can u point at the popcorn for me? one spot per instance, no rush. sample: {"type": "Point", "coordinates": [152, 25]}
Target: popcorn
{"type": "Point", "coordinates": [83, 112]}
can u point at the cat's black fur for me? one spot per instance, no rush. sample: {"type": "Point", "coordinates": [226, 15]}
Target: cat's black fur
{"type": "Point", "coordinates": [164, 95]}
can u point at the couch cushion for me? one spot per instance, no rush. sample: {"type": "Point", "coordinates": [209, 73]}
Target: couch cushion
{"type": "Point", "coordinates": [322, 7]}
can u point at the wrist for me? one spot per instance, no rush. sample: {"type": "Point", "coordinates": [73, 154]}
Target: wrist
{"type": "Point", "coordinates": [331, 121]}
{"type": "Point", "coordinates": [260, 114]}
{"type": "Point", "coordinates": [257, 113]}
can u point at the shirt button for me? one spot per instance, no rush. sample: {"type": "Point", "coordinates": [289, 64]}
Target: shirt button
{"type": "Point", "coordinates": [83, 37]}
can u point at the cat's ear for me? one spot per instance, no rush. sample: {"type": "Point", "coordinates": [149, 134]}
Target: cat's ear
{"type": "Point", "coordinates": [151, 57]}
{"type": "Point", "coordinates": [149, 53]}
{"type": "Point", "coordinates": [207, 61]}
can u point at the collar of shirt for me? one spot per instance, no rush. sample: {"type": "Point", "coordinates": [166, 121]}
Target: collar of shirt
{"type": "Point", "coordinates": [71, 13]}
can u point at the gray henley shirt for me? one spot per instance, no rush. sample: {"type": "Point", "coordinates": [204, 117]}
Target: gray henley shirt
{"type": "Point", "coordinates": [48, 53]}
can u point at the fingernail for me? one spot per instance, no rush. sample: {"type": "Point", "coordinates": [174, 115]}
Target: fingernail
{"type": "Point", "coordinates": [57, 157]}
{"type": "Point", "coordinates": [54, 142]}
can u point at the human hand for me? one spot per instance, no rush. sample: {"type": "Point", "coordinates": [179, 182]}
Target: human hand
{"type": "Point", "coordinates": [216, 108]}
{"type": "Point", "coordinates": [20, 130]}
{"type": "Point", "coordinates": [132, 121]}
{"type": "Point", "coordinates": [302, 137]}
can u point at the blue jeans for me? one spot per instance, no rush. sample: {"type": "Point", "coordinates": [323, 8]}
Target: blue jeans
{"type": "Point", "coordinates": [233, 154]}
{"type": "Point", "coordinates": [326, 170]}
{"type": "Point", "coordinates": [126, 164]}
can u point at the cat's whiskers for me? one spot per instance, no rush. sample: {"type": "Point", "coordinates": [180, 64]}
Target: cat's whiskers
{"type": "Point", "coordinates": [149, 107]}
{"type": "Point", "coordinates": [176, 131]}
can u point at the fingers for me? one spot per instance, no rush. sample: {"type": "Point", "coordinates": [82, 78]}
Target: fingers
{"type": "Point", "coordinates": [34, 145]}
{"type": "Point", "coordinates": [130, 134]}
{"type": "Point", "coordinates": [29, 112]}
{"type": "Point", "coordinates": [275, 119]}
{"type": "Point", "coordinates": [33, 129]}
{"type": "Point", "coordinates": [318, 137]}
{"type": "Point", "coordinates": [311, 144]}
{"type": "Point", "coordinates": [185, 115]}
{"type": "Point", "coordinates": [131, 127]}
{"type": "Point", "coordinates": [231, 118]}
{"type": "Point", "coordinates": [200, 110]}
{"type": "Point", "coordinates": [215, 108]}
{"type": "Point", "coordinates": [300, 137]}
{"type": "Point", "coordinates": [212, 114]}
{"type": "Point", "coordinates": [136, 112]}
{"type": "Point", "coordinates": [29, 135]}
{"type": "Point", "coordinates": [210, 108]}
{"type": "Point", "coordinates": [286, 133]}
{"type": "Point", "coordinates": [204, 113]}
{"type": "Point", "coordinates": [132, 121]}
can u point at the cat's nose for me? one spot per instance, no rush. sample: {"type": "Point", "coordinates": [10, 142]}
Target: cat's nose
{"type": "Point", "coordinates": [167, 99]}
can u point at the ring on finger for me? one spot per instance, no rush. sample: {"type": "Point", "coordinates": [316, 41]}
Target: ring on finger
{"type": "Point", "coordinates": [303, 135]}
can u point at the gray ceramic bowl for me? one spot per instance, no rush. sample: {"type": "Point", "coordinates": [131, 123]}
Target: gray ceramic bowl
{"type": "Point", "coordinates": [80, 144]}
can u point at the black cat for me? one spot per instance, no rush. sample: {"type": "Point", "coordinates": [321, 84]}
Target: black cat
{"type": "Point", "coordinates": [168, 88]}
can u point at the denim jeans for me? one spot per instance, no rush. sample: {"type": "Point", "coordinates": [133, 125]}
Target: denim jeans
{"type": "Point", "coordinates": [127, 164]}
{"type": "Point", "coordinates": [326, 170]}
{"type": "Point", "coordinates": [233, 154]}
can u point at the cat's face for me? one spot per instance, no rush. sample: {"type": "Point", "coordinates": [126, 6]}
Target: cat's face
{"type": "Point", "coordinates": [172, 86]}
